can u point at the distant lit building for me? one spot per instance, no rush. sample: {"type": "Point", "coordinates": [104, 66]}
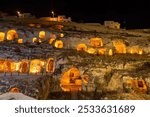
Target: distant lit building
{"type": "Point", "coordinates": [112, 24]}
{"type": "Point", "coordinates": [60, 18]}
{"type": "Point", "coordinates": [24, 15]}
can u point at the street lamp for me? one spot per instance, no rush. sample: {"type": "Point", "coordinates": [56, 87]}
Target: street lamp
{"type": "Point", "coordinates": [52, 13]}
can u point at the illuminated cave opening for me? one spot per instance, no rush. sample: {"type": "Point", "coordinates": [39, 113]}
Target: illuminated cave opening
{"type": "Point", "coordinates": [2, 36]}
{"type": "Point", "coordinates": [91, 51]}
{"type": "Point", "coordinates": [96, 42]}
{"type": "Point", "coordinates": [42, 34]}
{"type": "Point", "coordinates": [71, 80]}
{"type": "Point", "coordinates": [14, 90]}
{"type": "Point", "coordinates": [59, 44]}
{"type": "Point", "coordinates": [50, 67]}
{"type": "Point", "coordinates": [11, 35]}
{"type": "Point", "coordinates": [36, 66]}
{"type": "Point", "coordinates": [119, 46]}
{"type": "Point", "coordinates": [81, 47]}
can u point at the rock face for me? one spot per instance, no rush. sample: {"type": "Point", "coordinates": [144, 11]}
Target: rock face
{"type": "Point", "coordinates": [105, 75]}
{"type": "Point", "coordinates": [15, 96]}
{"type": "Point", "coordinates": [115, 84]}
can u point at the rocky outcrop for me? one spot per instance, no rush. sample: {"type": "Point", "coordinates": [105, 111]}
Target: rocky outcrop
{"type": "Point", "coordinates": [15, 96]}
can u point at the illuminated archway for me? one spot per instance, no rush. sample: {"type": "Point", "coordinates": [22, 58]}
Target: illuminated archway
{"type": "Point", "coordinates": [110, 52]}
{"type": "Point", "coordinates": [11, 35]}
{"type": "Point", "coordinates": [91, 51]}
{"type": "Point", "coordinates": [81, 47]}
{"type": "Point", "coordinates": [14, 90]}
{"type": "Point", "coordinates": [42, 34]}
{"type": "Point", "coordinates": [20, 41]}
{"type": "Point", "coordinates": [50, 66]}
{"type": "Point", "coordinates": [96, 42]}
{"type": "Point", "coordinates": [2, 65]}
{"type": "Point", "coordinates": [8, 65]}
{"type": "Point", "coordinates": [36, 66]}
{"type": "Point", "coordinates": [135, 50]}
{"type": "Point", "coordinates": [24, 67]}
{"type": "Point", "coordinates": [71, 80]}
{"type": "Point", "coordinates": [59, 44]}
{"type": "Point", "coordinates": [102, 51]}
{"type": "Point", "coordinates": [2, 36]}
{"type": "Point", "coordinates": [119, 46]}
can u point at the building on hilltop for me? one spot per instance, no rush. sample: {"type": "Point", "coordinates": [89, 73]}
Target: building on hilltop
{"type": "Point", "coordinates": [60, 18]}
{"type": "Point", "coordinates": [112, 24]}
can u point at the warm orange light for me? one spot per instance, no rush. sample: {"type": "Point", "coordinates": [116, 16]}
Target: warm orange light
{"type": "Point", "coordinates": [2, 65]}
{"type": "Point", "coordinates": [15, 90]}
{"type": "Point", "coordinates": [59, 44]}
{"type": "Point", "coordinates": [71, 80]}
{"type": "Point", "coordinates": [34, 40]}
{"type": "Point", "coordinates": [81, 47]}
{"type": "Point", "coordinates": [20, 41]}
{"type": "Point", "coordinates": [91, 51]}
{"type": "Point", "coordinates": [40, 41]}
{"type": "Point", "coordinates": [17, 66]}
{"type": "Point", "coordinates": [2, 36]}
{"type": "Point", "coordinates": [96, 42]}
{"type": "Point", "coordinates": [62, 35]}
{"type": "Point", "coordinates": [102, 51]}
{"type": "Point", "coordinates": [53, 36]}
{"type": "Point", "coordinates": [51, 40]}
{"type": "Point", "coordinates": [50, 66]}
{"type": "Point", "coordinates": [36, 66]}
{"type": "Point", "coordinates": [135, 50]}
{"type": "Point", "coordinates": [110, 53]}
{"type": "Point", "coordinates": [119, 46]}
{"type": "Point", "coordinates": [7, 65]}
{"type": "Point", "coordinates": [42, 34]}
{"type": "Point", "coordinates": [140, 52]}
{"type": "Point", "coordinates": [11, 35]}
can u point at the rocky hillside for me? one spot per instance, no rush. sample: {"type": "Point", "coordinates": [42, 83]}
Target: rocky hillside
{"type": "Point", "coordinates": [119, 76]}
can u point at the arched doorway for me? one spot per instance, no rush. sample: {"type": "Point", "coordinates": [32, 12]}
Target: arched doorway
{"type": "Point", "coordinates": [71, 80]}
{"type": "Point", "coordinates": [50, 66]}
{"type": "Point", "coordinates": [11, 35]}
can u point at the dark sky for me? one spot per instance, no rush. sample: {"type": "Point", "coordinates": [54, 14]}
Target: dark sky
{"type": "Point", "coordinates": [129, 12]}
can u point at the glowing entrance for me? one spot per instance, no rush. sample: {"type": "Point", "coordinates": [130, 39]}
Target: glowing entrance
{"type": "Point", "coordinates": [2, 36]}
{"type": "Point", "coordinates": [96, 42]}
{"type": "Point", "coordinates": [59, 44]}
{"type": "Point", "coordinates": [11, 35]}
{"type": "Point", "coordinates": [119, 46]}
{"type": "Point", "coordinates": [81, 47]}
{"type": "Point", "coordinates": [50, 67]}
{"type": "Point", "coordinates": [71, 80]}
{"type": "Point", "coordinates": [14, 90]}
{"type": "Point", "coordinates": [36, 66]}
{"type": "Point", "coordinates": [42, 34]}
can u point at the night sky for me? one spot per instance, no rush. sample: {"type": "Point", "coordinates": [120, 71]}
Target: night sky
{"type": "Point", "coordinates": [132, 14]}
